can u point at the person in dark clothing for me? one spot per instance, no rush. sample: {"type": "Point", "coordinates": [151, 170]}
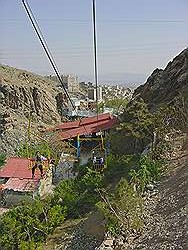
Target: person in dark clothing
{"type": "Point", "coordinates": [38, 164]}
{"type": "Point", "coordinates": [101, 161]}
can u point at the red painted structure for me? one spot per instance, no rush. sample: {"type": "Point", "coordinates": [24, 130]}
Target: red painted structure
{"type": "Point", "coordinates": [85, 126]}
{"type": "Point", "coordinates": [21, 185]}
{"type": "Point", "coordinates": [18, 172]}
{"type": "Point", "coordinates": [17, 168]}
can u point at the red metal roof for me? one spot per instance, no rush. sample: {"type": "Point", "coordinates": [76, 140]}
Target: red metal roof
{"type": "Point", "coordinates": [18, 168]}
{"type": "Point", "coordinates": [90, 128]}
{"type": "Point", "coordinates": [17, 184]}
{"type": "Point", "coordinates": [82, 122]}
{"type": "Point", "coordinates": [67, 125]}
{"type": "Point", "coordinates": [94, 119]}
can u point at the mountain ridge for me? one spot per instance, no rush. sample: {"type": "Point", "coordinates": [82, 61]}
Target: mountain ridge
{"type": "Point", "coordinates": [163, 85]}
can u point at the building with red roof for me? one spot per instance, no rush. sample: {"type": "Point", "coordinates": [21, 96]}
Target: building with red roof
{"type": "Point", "coordinates": [16, 180]}
{"type": "Point", "coordinates": [16, 167]}
{"type": "Point", "coordinates": [85, 126]}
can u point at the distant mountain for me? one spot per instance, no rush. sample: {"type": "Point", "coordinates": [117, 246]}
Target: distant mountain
{"type": "Point", "coordinates": [128, 79]}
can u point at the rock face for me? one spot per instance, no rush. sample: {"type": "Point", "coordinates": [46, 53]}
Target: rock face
{"type": "Point", "coordinates": [24, 95]}
{"type": "Point", "coordinates": [164, 85]}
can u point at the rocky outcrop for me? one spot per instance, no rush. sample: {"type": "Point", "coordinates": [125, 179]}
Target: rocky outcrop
{"type": "Point", "coordinates": [164, 85]}
{"type": "Point", "coordinates": [23, 95]}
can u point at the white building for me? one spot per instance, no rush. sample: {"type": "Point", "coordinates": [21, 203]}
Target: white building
{"type": "Point", "coordinates": [92, 94]}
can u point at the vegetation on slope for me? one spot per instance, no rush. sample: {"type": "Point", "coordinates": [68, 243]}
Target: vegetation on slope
{"type": "Point", "coordinates": [2, 159]}
{"type": "Point", "coordinates": [117, 191]}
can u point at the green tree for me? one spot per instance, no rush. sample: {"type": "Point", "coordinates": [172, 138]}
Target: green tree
{"type": "Point", "coordinates": [123, 209]}
{"type": "Point", "coordinates": [135, 130]}
{"type": "Point", "coordinates": [117, 104]}
{"type": "Point", "coordinates": [29, 223]}
{"type": "Point", "coordinates": [2, 159]}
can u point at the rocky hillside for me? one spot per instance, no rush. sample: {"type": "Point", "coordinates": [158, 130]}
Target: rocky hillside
{"type": "Point", "coordinates": [165, 215]}
{"type": "Point", "coordinates": [24, 94]}
{"type": "Point", "coordinates": [164, 85]}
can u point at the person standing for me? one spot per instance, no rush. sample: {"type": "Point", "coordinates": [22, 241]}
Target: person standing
{"type": "Point", "coordinates": [38, 163]}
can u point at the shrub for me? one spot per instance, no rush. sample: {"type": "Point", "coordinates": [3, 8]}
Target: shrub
{"type": "Point", "coordinates": [2, 159]}
{"type": "Point", "coordinates": [28, 225]}
{"type": "Point", "coordinates": [123, 209]}
{"type": "Point", "coordinates": [149, 170]}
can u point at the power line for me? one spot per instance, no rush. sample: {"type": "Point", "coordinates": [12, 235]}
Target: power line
{"type": "Point", "coordinates": [46, 49]}
{"type": "Point", "coordinates": [45, 46]}
{"type": "Point", "coordinates": [83, 49]}
{"type": "Point", "coordinates": [81, 54]}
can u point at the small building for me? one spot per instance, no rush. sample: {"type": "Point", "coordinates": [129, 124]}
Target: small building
{"type": "Point", "coordinates": [17, 184]}
{"type": "Point", "coordinates": [92, 94]}
{"type": "Point", "coordinates": [71, 83]}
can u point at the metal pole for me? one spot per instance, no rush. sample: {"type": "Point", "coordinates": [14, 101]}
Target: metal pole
{"type": "Point", "coordinates": [95, 53]}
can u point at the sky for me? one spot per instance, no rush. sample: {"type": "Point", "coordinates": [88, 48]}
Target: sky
{"type": "Point", "coordinates": [133, 36]}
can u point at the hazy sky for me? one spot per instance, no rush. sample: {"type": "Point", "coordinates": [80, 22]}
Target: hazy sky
{"type": "Point", "coordinates": [134, 36]}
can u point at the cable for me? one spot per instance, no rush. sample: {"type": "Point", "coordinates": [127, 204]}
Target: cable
{"type": "Point", "coordinates": [95, 59]}
{"type": "Point", "coordinates": [95, 54]}
{"type": "Point", "coordinates": [101, 20]}
{"type": "Point", "coordinates": [38, 27]}
{"type": "Point", "coordinates": [46, 49]}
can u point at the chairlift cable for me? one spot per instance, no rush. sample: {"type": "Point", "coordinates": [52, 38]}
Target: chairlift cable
{"type": "Point", "coordinates": [46, 49]}
{"type": "Point", "coordinates": [40, 32]}
{"type": "Point", "coordinates": [44, 43]}
{"type": "Point", "coordinates": [95, 54]}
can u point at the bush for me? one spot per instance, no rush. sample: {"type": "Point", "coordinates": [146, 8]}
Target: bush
{"type": "Point", "coordinates": [2, 159]}
{"type": "Point", "coordinates": [118, 167]}
{"type": "Point", "coordinates": [28, 225]}
{"type": "Point", "coordinates": [123, 209]}
{"type": "Point", "coordinates": [79, 195]}
{"type": "Point", "coordinates": [148, 171]}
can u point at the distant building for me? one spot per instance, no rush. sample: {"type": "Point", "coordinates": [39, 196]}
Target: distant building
{"type": "Point", "coordinates": [92, 94]}
{"type": "Point", "coordinates": [70, 82]}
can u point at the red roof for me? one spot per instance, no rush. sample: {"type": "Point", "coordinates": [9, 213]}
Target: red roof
{"type": "Point", "coordinates": [21, 185]}
{"type": "Point", "coordinates": [90, 128]}
{"type": "Point", "coordinates": [82, 122]}
{"type": "Point", "coordinates": [94, 119]}
{"type": "Point", "coordinates": [18, 168]}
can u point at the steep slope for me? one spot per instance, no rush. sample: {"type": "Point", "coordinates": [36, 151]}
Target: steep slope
{"type": "Point", "coordinates": [166, 216]}
{"type": "Point", "coordinates": [24, 94]}
{"type": "Point", "coordinates": [164, 85]}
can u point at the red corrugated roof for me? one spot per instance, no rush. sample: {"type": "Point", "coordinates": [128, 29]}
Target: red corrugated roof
{"type": "Point", "coordinates": [90, 128]}
{"type": "Point", "coordinates": [94, 119]}
{"type": "Point", "coordinates": [18, 168]}
{"type": "Point", "coordinates": [67, 125]}
{"type": "Point", "coordinates": [17, 184]}
{"type": "Point", "coordinates": [81, 122]}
